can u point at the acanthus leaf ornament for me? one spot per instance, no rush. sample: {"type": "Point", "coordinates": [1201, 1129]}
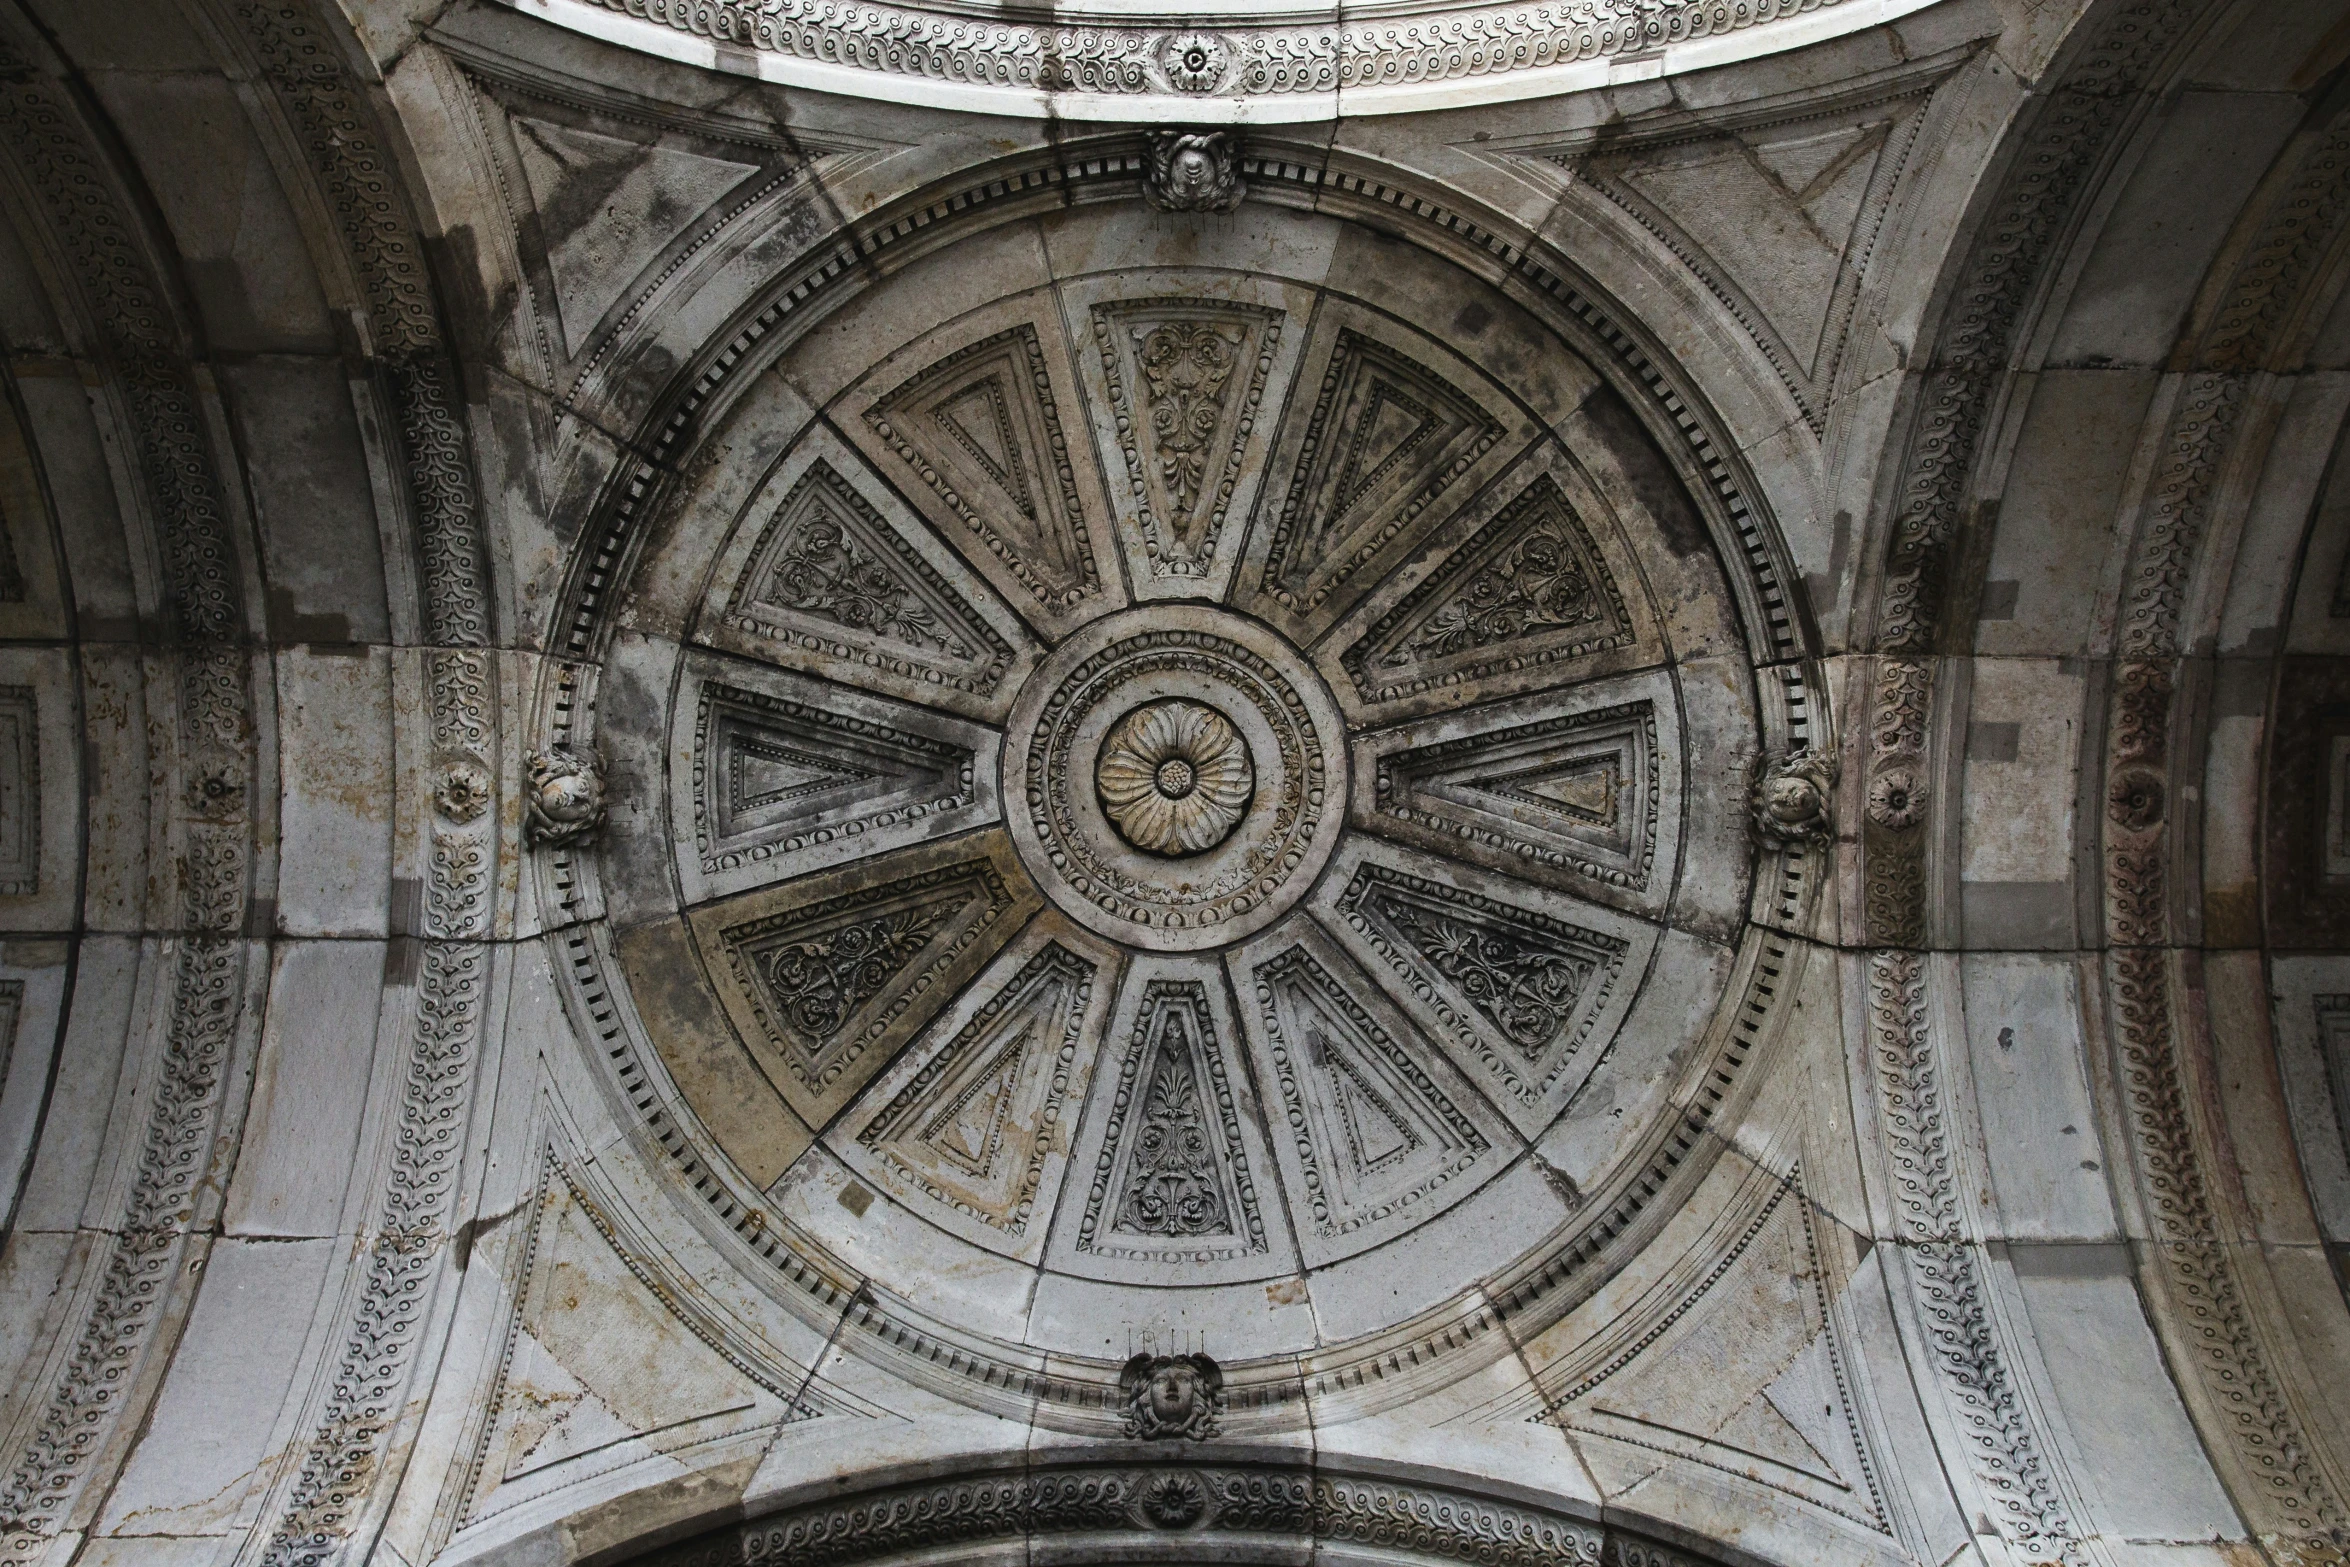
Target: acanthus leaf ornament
{"type": "Point", "coordinates": [1172, 1396]}
{"type": "Point", "coordinates": [565, 801]}
{"type": "Point", "coordinates": [1793, 801]}
{"type": "Point", "coordinates": [1194, 171]}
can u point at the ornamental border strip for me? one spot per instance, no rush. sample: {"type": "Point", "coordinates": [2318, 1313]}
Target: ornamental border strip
{"type": "Point", "coordinates": [1116, 1510]}
{"type": "Point", "coordinates": [1210, 67]}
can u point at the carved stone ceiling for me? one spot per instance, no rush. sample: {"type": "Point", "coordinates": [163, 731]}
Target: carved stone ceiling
{"type": "Point", "coordinates": [1199, 793]}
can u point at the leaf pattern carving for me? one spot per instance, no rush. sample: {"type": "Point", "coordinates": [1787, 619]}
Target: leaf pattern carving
{"type": "Point", "coordinates": [1526, 992]}
{"type": "Point", "coordinates": [821, 571]}
{"type": "Point", "coordinates": [1172, 1186]}
{"type": "Point", "coordinates": [820, 983]}
{"type": "Point", "coordinates": [1539, 585]}
{"type": "Point", "coordinates": [1186, 368]}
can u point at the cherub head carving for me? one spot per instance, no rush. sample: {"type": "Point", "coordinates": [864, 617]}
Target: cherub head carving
{"type": "Point", "coordinates": [1172, 1396]}
{"type": "Point", "coordinates": [1792, 798]}
{"type": "Point", "coordinates": [565, 802]}
{"type": "Point", "coordinates": [1194, 171]}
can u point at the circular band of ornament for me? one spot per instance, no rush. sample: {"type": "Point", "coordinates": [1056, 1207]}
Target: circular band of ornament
{"type": "Point", "coordinates": [1243, 820]}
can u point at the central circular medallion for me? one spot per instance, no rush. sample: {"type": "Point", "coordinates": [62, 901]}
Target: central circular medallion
{"type": "Point", "coordinates": [1180, 773]}
{"type": "Point", "coordinates": [1175, 777]}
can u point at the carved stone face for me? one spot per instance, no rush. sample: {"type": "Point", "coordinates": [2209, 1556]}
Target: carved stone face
{"type": "Point", "coordinates": [1192, 172]}
{"type": "Point", "coordinates": [1174, 1390]}
{"type": "Point", "coordinates": [1792, 800]}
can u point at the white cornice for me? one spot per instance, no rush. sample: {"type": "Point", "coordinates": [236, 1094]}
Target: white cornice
{"type": "Point", "coordinates": [1104, 62]}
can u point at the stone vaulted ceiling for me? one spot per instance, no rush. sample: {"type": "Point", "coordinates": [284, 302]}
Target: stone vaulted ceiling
{"type": "Point", "coordinates": [1523, 784]}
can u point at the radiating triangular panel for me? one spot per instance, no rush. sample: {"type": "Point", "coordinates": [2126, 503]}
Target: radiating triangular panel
{"type": "Point", "coordinates": [1373, 1133]}
{"type": "Point", "coordinates": [607, 206]}
{"type": "Point", "coordinates": [768, 768]}
{"type": "Point", "coordinates": [1387, 438]}
{"type": "Point", "coordinates": [1186, 378]}
{"type": "Point", "coordinates": [1529, 589]}
{"type": "Point", "coordinates": [974, 1126]}
{"type": "Point", "coordinates": [1173, 1181]}
{"type": "Point", "coordinates": [1574, 794]}
{"type": "Point", "coordinates": [830, 576]}
{"type": "Point", "coordinates": [981, 426]}
{"type": "Point", "coordinates": [1519, 988]}
{"type": "Point", "coordinates": [828, 976]}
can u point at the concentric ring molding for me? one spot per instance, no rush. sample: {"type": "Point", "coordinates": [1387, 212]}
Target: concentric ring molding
{"type": "Point", "coordinates": [1445, 1341]}
{"type": "Point", "coordinates": [1132, 63]}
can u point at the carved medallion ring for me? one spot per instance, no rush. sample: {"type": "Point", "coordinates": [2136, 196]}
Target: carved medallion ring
{"type": "Point", "coordinates": [1175, 777]}
{"type": "Point", "coordinates": [1180, 776]}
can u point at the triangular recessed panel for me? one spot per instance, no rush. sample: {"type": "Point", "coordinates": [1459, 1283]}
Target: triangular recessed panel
{"type": "Point", "coordinates": [608, 206]}
{"type": "Point", "coordinates": [1387, 438]}
{"type": "Point", "coordinates": [1779, 221]}
{"type": "Point", "coordinates": [1530, 588]}
{"type": "Point", "coordinates": [1518, 989]}
{"type": "Point", "coordinates": [1186, 380]}
{"type": "Point", "coordinates": [1777, 208]}
{"type": "Point", "coordinates": [770, 772]}
{"type": "Point", "coordinates": [1173, 1181]}
{"type": "Point", "coordinates": [1574, 795]}
{"type": "Point", "coordinates": [1770, 1403]}
{"type": "Point", "coordinates": [829, 576]}
{"type": "Point", "coordinates": [828, 976]}
{"type": "Point", "coordinates": [974, 1127]}
{"type": "Point", "coordinates": [1372, 1133]}
{"type": "Point", "coordinates": [982, 429]}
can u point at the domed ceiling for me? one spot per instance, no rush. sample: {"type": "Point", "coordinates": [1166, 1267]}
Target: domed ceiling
{"type": "Point", "coordinates": [878, 785]}
{"type": "Point", "coordinates": [1202, 787]}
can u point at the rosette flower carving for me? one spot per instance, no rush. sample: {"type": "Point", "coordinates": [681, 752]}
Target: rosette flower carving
{"type": "Point", "coordinates": [1175, 777]}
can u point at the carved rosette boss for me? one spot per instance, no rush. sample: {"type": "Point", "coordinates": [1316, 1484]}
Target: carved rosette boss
{"type": "Point", "coordinates": [1175, 777]}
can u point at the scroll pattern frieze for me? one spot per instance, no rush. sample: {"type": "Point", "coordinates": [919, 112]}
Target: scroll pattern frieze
{"type": "Point", "coordinates": [1244, 60]}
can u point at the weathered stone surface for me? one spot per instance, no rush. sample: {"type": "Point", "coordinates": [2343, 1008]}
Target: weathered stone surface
{"type": "Point", "coordinates": [1505, 783]}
